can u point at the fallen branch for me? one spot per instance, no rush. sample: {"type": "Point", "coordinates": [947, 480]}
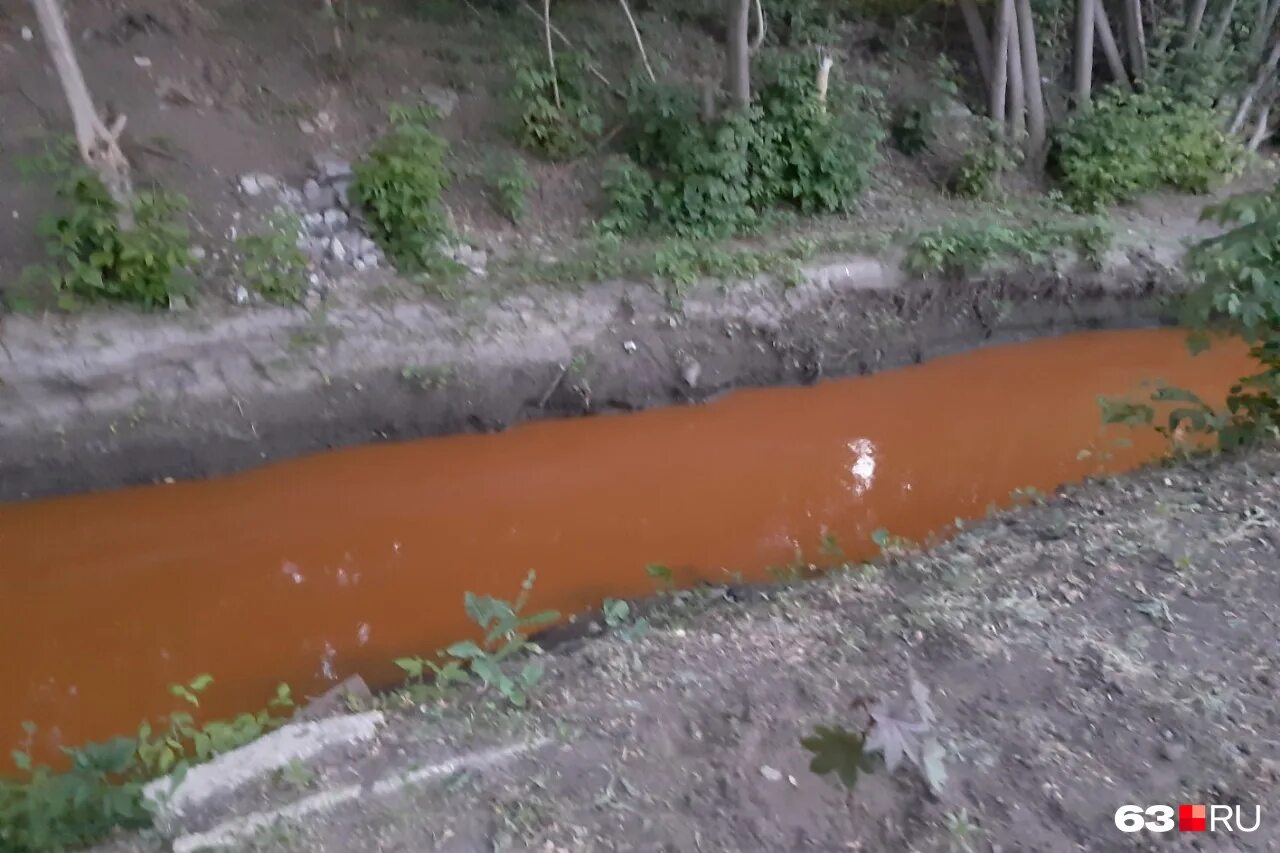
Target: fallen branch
{"type": "Point", "coordinates": [551, 51]}
{"type": "Point", "coordinates": [564, 40]}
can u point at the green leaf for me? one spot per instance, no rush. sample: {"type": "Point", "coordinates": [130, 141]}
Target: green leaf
{"type": "Point", "coordinates": [21, 759]}
{"type": "Point", "coordinates": [200, 682]}
{"type": "Point", "coordinates": [465, 649]}
{"type": "Point", "coordinates": [837, 751]}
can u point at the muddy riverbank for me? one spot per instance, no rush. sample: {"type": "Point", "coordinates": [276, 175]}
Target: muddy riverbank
{"type": "Point", "coordinates": [1113, 646]}
{"type": "Point", "coordinates": [103, 400]}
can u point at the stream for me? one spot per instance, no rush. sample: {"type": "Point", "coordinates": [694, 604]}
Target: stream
{"type": "Point", "coordinates": [313, 569]}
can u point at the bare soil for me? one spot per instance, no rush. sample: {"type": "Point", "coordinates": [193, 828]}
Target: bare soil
{"type": "Point", "coordinates": [1115, 645]}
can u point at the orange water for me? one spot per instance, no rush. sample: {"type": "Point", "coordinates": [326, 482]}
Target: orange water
{"type": "Point", "coordinates": [334, 564]}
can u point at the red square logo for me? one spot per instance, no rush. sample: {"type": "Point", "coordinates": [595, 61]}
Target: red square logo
{"type": "Point", "coordinates": [1191, 818]}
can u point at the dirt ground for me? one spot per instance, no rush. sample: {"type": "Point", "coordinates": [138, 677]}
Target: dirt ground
{"type": "Point", "coordinates": [1116, 645]}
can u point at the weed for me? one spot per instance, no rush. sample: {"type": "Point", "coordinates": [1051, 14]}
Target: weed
{"type": "Point", "coordinates": [966, 246]}
{"type": "Point", "coordinates": [617, 617]}
{"type": "Point", "coordinates": [429, 377]}
{"type": "Point", "coordinates": [273, 265]}
{"type": "Point", "coordinates": [98, 254]}
{"type": "Point", "coordinates": [296, 775]}
{"type": "Point", "coordinates": [557, 110]}
{"type": "Point", "coordinates": [510, 187]}
{"type": "Point", "coordinates": [102, 790]}
{"type": "Point", "coordinates": [506, 633]}
{"type": "Point", "coordinates": [399, 185]}
{"type": "Point", "coordinates": [912, 128]}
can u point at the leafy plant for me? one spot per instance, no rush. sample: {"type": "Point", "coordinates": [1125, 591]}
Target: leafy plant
{"type": "Point", "coordinates": [661, 575]}
{"type": "Point", "coordinates": [47, 810]}
{"type": "Point", "coordinates": [272, 263]}
{"type": "Point", "coordinates": [913, 128]}
{"type": "Point", "coordinates": [103, 788]}
{"type": "Point", "coordinates": [617, 617]}
{"type": "Point", "coordinates": [979, 171]}
{"type": "Point", "coordinates": [715, 177]}
{"type": "Point", "coordinates": [399, 184]}
{"type": "Point", "coordinates": [100, 254]}
{"type": "Point", "coordinates": [1126, 143]}
{"type": "Point", "coordinates": [558, 117]}
{"type": "Point", "coordinates": [1238, 293]}
{"type": "Point", "coordinates": [179, 741]}
{"type": "Point", "coordinates": [506, 633]}
{"type": "Point", "coordinates": [968, 246]}
{"type": "Point", "coordinates": [511, 185]}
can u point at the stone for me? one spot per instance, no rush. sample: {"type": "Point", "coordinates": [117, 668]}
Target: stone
{"type": "Point", "coordinates": [241, 296]}
{"type": "Point", "coordinates": [318, 198]}
{"type": "Point", "coordinates": [690, 371]}
{"type": "Point", "coordinates": [1172, 751]}
{"type": "Point", "coordinates": [314, 222]}
{"type": "Point", "coordinates": [444, 100]}
{"type": "Point", "coordinates": [290, 197]}
{"type": "Point", "coordinates": [359, 265]}
{"type": "Point", "coordinates": [254, 183]}
{"type": "Point", "coordinates": [770, 773]}
{"type": "Point", "coordinates": [198, 253]}
{"type": "Point", "coordinates": [629, 347]}
{"type": "Point", "coordinates": [367, 247]}
{"type": "Point", "coordinates": [337, 251]}
{"type": "Point", "coordinates": [342, 189]}
{"type": "Point", "coordinates": [371, 261]}
{"type": "Point", "coordinates": [330, 166]}
{"type": "Point", "coordinates": [27, 35]}
{"type": "Point", "coordinates": [335, 218]}
{"type": "Point", "coordinates": [313, 248]}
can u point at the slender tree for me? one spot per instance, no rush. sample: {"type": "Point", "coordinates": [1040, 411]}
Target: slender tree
{"type": "Point", "coordinates": [1036, 131]}
{"type": "Point", "coordinates": [1000, 62]}
{"type": "Point", "coordinates": [1017, 92]}
{"type": "Point", "coordinates": [1084, 51]}
{"type": "Point", "coordinates": [738, 52]}
{"type": "Point", "coordinates": [978, 38]}
{"type": "Point", "coordinates": [1107, 41]}
{"type": "Point", "coordinates": [99, 143]}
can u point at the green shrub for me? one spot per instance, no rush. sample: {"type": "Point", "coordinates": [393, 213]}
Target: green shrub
{"type": "Point", "coordinates": [978, 173]}
{"type": "Point", "coordinates": [510, 187]}
{"type": "Point", "coordinates": [399, 185]}
{"type": "Point", "coordinates": [1127, 143]}
{"type": "Point", "coordinates": [912, 128]}
{"type": "Point", "coordinates": [272, 263]}
{"type": "Point", "coordinates": [714, 178]}
{"type": "Point", "coordinates": [97, 258]}
{"type": "Point", "coordinates": [559, 131]}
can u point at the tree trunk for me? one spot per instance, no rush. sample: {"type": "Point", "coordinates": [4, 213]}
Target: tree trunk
{"type": "Point", "coordinates": [635, 31]}
{"type": "Point", "coordinates": [738, 52]}
{"type": "Point", "coordinates": [1084, 51]}
{"type": "Point", "coordinates": [1267, 11]}
{"type": "Point", "coordinates": [760, 26]}
{"type": "Point", "coordinates": [1036, 131]}
{"type": "Point", "coordinates": [1260, 132]}
{"type": "Point", "coordinates": [99, 145]}
{"type": "Point", "coordinates": [1107, 41]}
{"type": "Point", "coordinates": [978, 37]}
{"type": "Point", "coordinates": [1265, 70]}
{"type": "Point", "coordinates": [1194, 22]}
{"type": "Point", "coordinates": [551, 51]}
{"type": "Point", "coordinates": [1136, 39]}
{"type": "Point", "coordinates": [1017, 94]}
{"type": "Point", "coordinates": [1214, 44]}
{"type": "Point", "coordinates": [1000, 63]}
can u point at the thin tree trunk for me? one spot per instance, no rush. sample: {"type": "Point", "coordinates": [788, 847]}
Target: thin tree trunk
{"type": "Point", "coordinates": [978, 37]}
{"type": "Point", "coordinates": [1194, 22]}
{"type": "Point", "coordinates": [551, 52]}
{"type": "Point", "coordinates": [635, 31]}
{"type": "Point", "coordinates": [1214, 44]}
{"type": "Point", "coordinates": [1107, 41]}
{"type": "Point", "coordinates": [756, 42]}
{"type": "Point", "coordinates": [824, 79]}
{"type": "Point", "coordinates": [1260, 79]}
{"type": "Point", "coordinates": [1017, 94]}
{"type": "Point", "coordinates": [1036, 131]}
{"type": "Point", "coordinates": [1000, 63]}
{"type": "Point", "coordinates": [1084, 51]}
{"type": "Point", "coordinates": [99, 145]}
{"type": "Point", "coordinates": [1136, 39]}
{"type": "Point", "coordinates": [1267, 11]}
{"type": "Point", "coordinates": [1260, 132]}
{"type": "Point", "coordinates": [738, 52]}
